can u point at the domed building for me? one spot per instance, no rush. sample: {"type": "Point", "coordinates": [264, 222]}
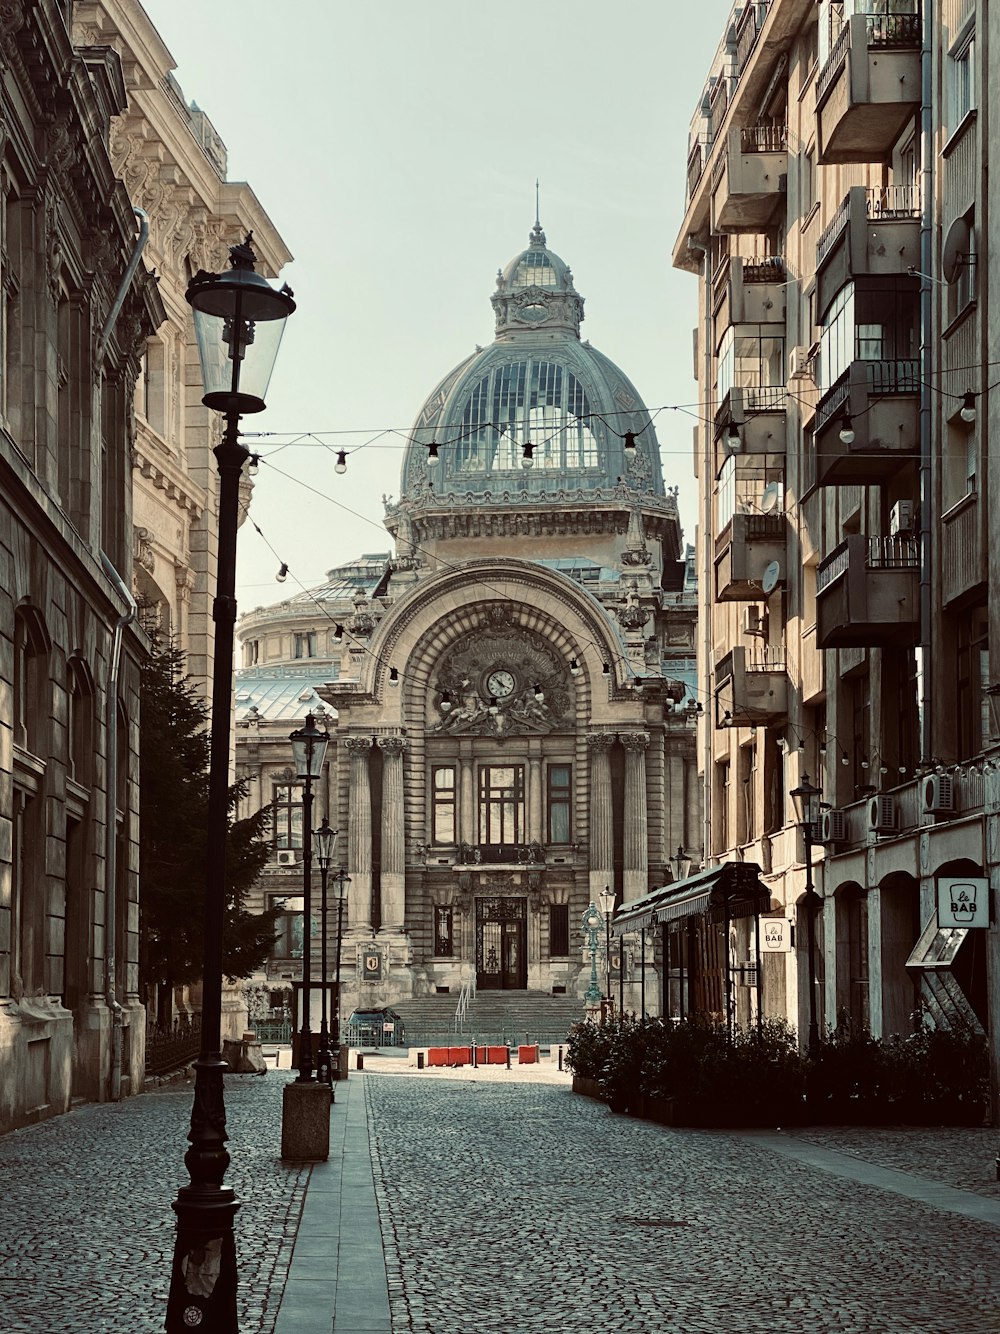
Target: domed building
{"type": "Point", "coordinates": [508, 693]}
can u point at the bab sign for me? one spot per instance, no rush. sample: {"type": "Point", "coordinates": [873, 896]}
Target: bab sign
{"type": "Point", "coordinates": [963, 900]}
{"type": "Point", "coordinates": [775, 935]}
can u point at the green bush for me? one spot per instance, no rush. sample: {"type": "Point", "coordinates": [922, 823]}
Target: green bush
{"type": "Point", "coordinates": [759, 1077]}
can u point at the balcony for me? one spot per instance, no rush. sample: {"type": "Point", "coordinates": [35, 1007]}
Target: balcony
{"type": "Point", "coordinates": [750, 291]}
{"type": "Point", "coordinates": [882, 399]}
{"type": "Point", "coordinates": [869, 88]}
{"type": "Point", "coordinates": [751, 688]}
{"type": "Point", "coordinates": [749, 179]}
{"type": "Point", "coordinates": [875, 231]}
{"type": "Point", "coordinates": [751, 420]}
{"type": "Point", "coordinates": [867, 593]}
{"type": "Point", "coordinates": [744, 549]}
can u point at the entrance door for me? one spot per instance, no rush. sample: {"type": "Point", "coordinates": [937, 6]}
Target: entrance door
{"type": "Point", "coordinates": [501, 944]}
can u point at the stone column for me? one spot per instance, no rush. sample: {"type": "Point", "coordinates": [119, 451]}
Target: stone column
{"type": "Point", "coordinates": [536, 831]}
{"type": "Point", "coordinates": [635, 833]}
{"type": "Point", "coordinates": [466, 802]}
{"type": "Point", "coordinates": [359, 835]}
{"type": "Point", "coordinates": [393, 842]}
{"type": "Point", "coordinates": [601, 820]}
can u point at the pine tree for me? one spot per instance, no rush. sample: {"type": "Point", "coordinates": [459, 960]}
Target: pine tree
{"type": "Point", "coordinates": [173, 792]}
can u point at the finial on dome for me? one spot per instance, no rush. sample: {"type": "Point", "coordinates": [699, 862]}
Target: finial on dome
{"type": "Point", "coordinates": [537, 236]}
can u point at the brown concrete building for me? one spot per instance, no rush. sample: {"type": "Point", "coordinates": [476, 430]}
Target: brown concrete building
{"type": "Point", "coordinates": [837, 199]}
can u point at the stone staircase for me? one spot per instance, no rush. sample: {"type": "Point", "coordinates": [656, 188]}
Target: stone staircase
{"type": "Point", "coordinates": [501, 1017]}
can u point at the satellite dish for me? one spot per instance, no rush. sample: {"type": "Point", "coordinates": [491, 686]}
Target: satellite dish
{"type": "Point", "coordinates": [956, 252]}
{"type": "Point", "coordinates": [769, 500]}
{"type": "Point", "coordinates": [772, 577]}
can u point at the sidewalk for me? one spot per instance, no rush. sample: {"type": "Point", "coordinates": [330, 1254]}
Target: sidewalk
{"type": "Point", "coordinates": [337, 1279]}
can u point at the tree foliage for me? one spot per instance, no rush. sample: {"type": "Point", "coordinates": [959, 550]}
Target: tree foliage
{"type": "Point", "coordinates": [175, 750]}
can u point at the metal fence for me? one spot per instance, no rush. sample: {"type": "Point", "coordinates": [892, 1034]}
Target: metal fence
{"type": "Point", "coordinates": [171, 1049]}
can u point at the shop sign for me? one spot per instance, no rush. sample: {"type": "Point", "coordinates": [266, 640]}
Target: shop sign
{"type": "Point", "coordinates": [963, 900]}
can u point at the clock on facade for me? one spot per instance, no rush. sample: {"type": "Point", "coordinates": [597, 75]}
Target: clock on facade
{"type": "Point", "coordinates": [500, 683]}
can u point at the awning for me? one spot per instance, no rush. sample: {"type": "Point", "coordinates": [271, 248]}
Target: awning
{"type": "Point", "coordinates": [730, 889]}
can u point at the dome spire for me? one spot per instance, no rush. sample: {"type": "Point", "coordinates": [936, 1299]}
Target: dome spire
{"type": "Point", "coordinates": [537, 236]}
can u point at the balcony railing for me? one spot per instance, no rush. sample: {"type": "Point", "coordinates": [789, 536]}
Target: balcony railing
{"type": "Point", "coordinates": [893, 201]}
{"type": "Point", "coordinates": [831, 233]}
{"type": "Point", "coordinates": [751, 21]}
{"type": "Point", "coordinates": [768, 269]}
{"type": "Point", "coordinates": [882, 553]}
{"type": "Point", "coordinates": [884, 380]}
{"type": "Point", "coordinates": [883, 32]}
{"type": "Point", "coordinates": [768, 138]}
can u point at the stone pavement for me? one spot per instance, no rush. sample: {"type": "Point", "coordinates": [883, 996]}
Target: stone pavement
{"type": "Point", "coordinates": [497, 1202]}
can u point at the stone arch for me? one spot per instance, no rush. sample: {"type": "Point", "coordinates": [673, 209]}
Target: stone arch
{"type": "Point", "coordinates": [851, 960]}
{"type": "Point", "coordinates": [894, 929]}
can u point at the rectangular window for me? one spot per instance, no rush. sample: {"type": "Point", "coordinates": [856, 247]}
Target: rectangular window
{"type": "Point", "coordinates": [558, 799]}
{"type": "Point", "coordinates": [973, 680]}
{"type": "Point", "coordinates": [251, 653]}
{"type": "Point", "coordinates": [286, 820]}
{"type": "Point", "coordinates": [501, 804]}
{"type": "Point", "coordinates": [444, 939]}
{"type": "Point", "coordinates": [961, 74]}
{"type": "Point", "coordinates": [558, 930]}
{"type": "Point", "coordinates": [288, 926]}
{"type": "Point", "coordinates": [721, 820]}
{"type": "Point", "coordinates": [305, 645]}
{"type": "Point", "coordinates": [443, 805]}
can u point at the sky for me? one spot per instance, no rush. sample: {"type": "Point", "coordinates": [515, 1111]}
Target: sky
{"type": "Point", "coordinates": [395, 144]}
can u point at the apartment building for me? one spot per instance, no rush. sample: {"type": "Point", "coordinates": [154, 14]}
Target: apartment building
{"type": "Point", "coordinates": [837, 196]}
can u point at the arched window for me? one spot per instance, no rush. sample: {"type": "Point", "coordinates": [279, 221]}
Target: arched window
{"type": "Point", "coordinates": [31, 650]}
{"type": "Point", "coordinates": [79, 721]}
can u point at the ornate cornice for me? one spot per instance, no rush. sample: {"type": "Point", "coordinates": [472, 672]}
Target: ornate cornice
{"type": "Point", "coordinates": [637, 741]}
{"type": "Point", "coordinates": [600, 742]}
{"type": "Point", "coordinates": [391, 745]}
{"type": "Point", "coordinates": [357, 746]}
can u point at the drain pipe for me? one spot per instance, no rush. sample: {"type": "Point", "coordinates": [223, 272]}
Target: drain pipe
{"type": "Point", "coordinates": [705, 578]}
{"type": "Point", "coordinates": [111, 693]}
{"type": "Point", "coordinates": [110, 831]}
{"type": "Point", "coordinates": [924, 679]}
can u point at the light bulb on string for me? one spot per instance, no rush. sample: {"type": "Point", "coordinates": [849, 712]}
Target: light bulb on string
{"type": "Point", "coordinates": [341, 464]}
{"type": "Point", "coordinates": [282, 574]}
{"type": "Point", "coordinates": [968, 410]}
{"type": "Point", "coordinates": [574, 667]}
{"type": "Point", "coordinates": [539, 692]}
{"type": "Point", "coordinates": [846, 430]}
{"type": "Point", "coordinates": [253, 467]}
{"type": "Point", "coordinates": [629, 440]}
{"type": "Point", "coordinates": [527, 455]}
{"type": "Point", "coordinates": [432, 455]}
{"type": "Point", "coordinates": [394, 676]}
{"type": "Point", "coordinates": [446, 701]}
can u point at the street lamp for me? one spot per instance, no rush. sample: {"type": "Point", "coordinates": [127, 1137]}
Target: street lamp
{"type": "Point", "coordinates": [647, 935]}
{"type": "Point", "coordinates": [343, 880]}
{"type": "Point", "coordinates": [806, 799]}
{"type": "Point", "coordinates": [591, 926]}
{"type": "Point", "coordinates": [607, 902]}
{"type": "Point", "coordinates": [239, 319]}
{"type": "Point", "coordinates": [680, 863]}
{"type": "Point", "coordinates": [308, 755]}
{"type": "Point", "coordinates": [325, 839]}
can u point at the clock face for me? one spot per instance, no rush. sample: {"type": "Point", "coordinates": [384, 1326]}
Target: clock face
{"type": "Point", "coordinates": [500, 683]}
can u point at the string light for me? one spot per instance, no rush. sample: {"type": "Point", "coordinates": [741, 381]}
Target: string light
{"type": "Point", "coordinates": [539, 692]}
{"type": "Point", "coordinates": [341, 464]}
{"type": "Point", "coordinates": [968, 410]}
{"type": "Point", "coordinates": [629, 438]}
{"type": "Point", "coordinates": [393, 676]}
{"type": "Point", "coordinates": [432, 455]}
{"type": "Point", "coordinates": [446, 701]}
{"type": "Point", "coordinates": [574, 667]}
{"type": "Point", "coordinates": [282, 574]}
{"type": "Point", "coordinates": [338, 631]}
{"type": "Point", "coordinates": [846, 430]}
{"type": "Point", "coordinates": [733, 440]}
{"type": "Point", "coordinates": [493, 707]}
{"type": "Point", "coordinates": [527, 455]}
{"type": "Point", "coordinates": [253, 467]}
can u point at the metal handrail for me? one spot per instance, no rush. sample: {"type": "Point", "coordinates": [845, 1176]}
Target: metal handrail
{"type": "Point", "coordinates": [465, 998]}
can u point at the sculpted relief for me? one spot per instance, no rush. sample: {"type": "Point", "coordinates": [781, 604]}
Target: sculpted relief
{"type": "Point", "coordinates": [502, 681]}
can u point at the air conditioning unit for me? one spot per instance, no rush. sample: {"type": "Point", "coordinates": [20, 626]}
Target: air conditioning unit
{"type": "Point", "coordinates": [882, 815]}
{"type": "Point", "coordinates": [901, 518]}
{"type": "Point", "coordinates": [939, 794]}
{"type": "Point", "coordinates": [288, 857]}
{"type": "Point", "coordinates": [753, 620]}
{"type": "Point", "coordinates": [833, 827]}
{"type": "Point", "coordinates": [800, 363]}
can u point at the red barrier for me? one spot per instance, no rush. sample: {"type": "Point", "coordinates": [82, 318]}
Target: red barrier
{"type": "Point", "coordinates": [437, 1055]}
{"type": "Point", "coordinates": [459, 1055]}
{"type": "Point", "coordinates": [527, 1055]}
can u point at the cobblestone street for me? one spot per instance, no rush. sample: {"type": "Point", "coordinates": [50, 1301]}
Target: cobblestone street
{"type": "Point", "coordinates": [87, 1229]}
{"type": "Point", "coordinates": [508, 1206]}
{"type": "Point", "coordinates": [518, 1207]}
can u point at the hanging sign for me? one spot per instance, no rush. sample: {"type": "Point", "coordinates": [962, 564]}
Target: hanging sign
{"type": "Point", "coordinates": [775, 935]}
{"type": "Point", "coordinates": [371, 964]}
{"type": "Point", "coordinates": [963, 900]}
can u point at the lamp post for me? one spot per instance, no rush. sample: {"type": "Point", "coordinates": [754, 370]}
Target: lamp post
{"type": "Point", "coordinates": [308, 755]}
{"type": "Point", "coordinates": [680, 863]}
{"type": "Point", "coordinates": [806, 799]}
{"type": "Point", "coordinates": [325, 839]}
{"type": "Point", "coordinates": [607, 902]}
{"type": "Point", "coordinates": [343, 880]}
{"type": "Point", "coordinates": [591, 926]}
{"type": "Point", "coordinates": [238, 319]}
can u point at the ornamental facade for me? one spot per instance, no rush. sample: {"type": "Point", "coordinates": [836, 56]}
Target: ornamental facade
{"type": "Point", "coordinates": [507, 691]}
